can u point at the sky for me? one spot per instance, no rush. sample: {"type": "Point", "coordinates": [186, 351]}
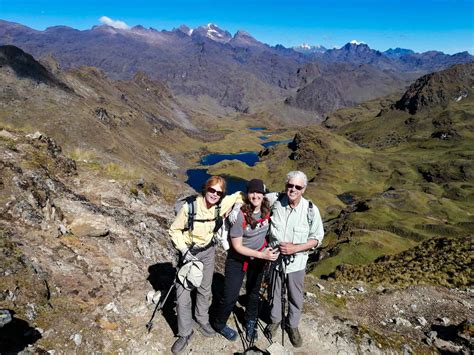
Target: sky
{"type": "Point", "coordinates": [445, 25]}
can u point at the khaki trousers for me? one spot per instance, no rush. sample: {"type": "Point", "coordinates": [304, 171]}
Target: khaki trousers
{"type": "Point", "coordinates": [294, 286]}
{"type": "Point", "coordinates": [203, 296]}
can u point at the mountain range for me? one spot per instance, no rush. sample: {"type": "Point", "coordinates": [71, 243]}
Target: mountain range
{"type": "Point", "coordinates": [236, 71]}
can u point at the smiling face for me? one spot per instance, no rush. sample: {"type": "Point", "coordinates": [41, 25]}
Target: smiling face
{"type": "Point", "coordinates": [256, 199]}
{"type": "Point", "coordinates": [213, 195]}
{"type": "Point", "coordinates": [294, 189]}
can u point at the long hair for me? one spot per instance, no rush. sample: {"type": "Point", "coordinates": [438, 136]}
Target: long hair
{"type": "Point", "coordinates": [213, 180]}
{"type": "Point", "coordinates": [247, 209]}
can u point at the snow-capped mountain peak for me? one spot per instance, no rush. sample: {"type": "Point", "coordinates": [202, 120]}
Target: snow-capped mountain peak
{"type": "Point", "coordinates": [212, 31]}
{"type": "Point", "coordinates": [357, 43]}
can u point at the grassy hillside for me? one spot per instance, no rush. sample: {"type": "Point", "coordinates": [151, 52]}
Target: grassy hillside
{"type": "Point", "coordinates": [439, 261]}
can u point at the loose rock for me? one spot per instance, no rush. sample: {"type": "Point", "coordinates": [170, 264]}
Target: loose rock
{"type": "Point", "coordinates": [403, 322]}
{"type": "Point", "coordinates": [422, 321]}
{"type": "Point", "coordinates": [77, 339]}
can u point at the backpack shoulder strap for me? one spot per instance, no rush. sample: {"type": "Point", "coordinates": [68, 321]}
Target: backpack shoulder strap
{"type": "Point", "coordinates": [280, 196]}
{"type": "Point", "coordinates": [310, 213]}
{"type": "Point", "coordinates": [219, 221]}
{"type": "Point", "coordinates": [218, 210]}
{"type": "Point", "coordinates": [192, 207]}
{"type": "Point", "coordinates": [244, 222]}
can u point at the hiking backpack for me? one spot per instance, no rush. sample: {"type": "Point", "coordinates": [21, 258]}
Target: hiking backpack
{"type": "Point", "coordinates": [191, 202]}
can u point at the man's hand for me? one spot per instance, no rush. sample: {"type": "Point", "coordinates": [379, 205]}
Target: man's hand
{"type": "Point", "coordinates": [234, 213]}
{"type": "Point", "coordinates": [287, 248]}
{"type": "Point", "coordinates": [186, 256]}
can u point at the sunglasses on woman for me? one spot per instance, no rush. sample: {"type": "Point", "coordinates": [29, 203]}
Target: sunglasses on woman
{"type": "Point", "coordinates": [298, 187]}
{"type": "Point", "coordinates": [214, 191]}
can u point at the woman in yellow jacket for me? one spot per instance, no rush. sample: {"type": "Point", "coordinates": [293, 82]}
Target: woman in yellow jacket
{"type": "Point", "coordinates": [198, 244]}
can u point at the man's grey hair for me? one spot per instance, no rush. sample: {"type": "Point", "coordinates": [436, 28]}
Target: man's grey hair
{"type": "Point", "coordinates": [297, 175]}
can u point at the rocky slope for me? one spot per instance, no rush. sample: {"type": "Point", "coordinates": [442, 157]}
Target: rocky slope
{"type": "Point", "coordinates": [437, 89]}
{"type": "Point", "coordinates": [125, 127]}
{"type": "Point", "coordinates": [325, 88]}
{"type": "Point", "coordinates": [75, 247]}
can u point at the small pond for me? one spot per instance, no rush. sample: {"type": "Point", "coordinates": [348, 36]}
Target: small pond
{"type": "Point", "coordinates": [269, 144]}
{"type": "Point", "coordinates": [249, 158]}
{"type": "Point", "coordinates": [347, 198]}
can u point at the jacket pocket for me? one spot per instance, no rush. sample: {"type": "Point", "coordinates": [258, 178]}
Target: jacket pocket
{"type": "Point", "coordinates": [300, 235]}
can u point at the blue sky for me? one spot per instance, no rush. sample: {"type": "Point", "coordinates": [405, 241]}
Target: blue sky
{"type": "Point", "coordinates": [446, 25]}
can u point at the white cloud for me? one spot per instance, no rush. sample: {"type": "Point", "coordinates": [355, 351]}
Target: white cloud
{"type": "Point", "coordinates": [114, 23]}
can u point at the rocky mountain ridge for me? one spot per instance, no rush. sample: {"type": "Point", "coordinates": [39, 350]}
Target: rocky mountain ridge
{"type": "Point", "coordinates": [237, 71]}
{"type": "Point", "coordinates": [325, 88]}
{"type": "Point", "coordinates": [99, 121]}
{"type": "Point", "coordinates": [25, 66]}
{"type": "Point", "coordinates": [438, 88]}
{"type": "Point", "coordinates": [398, 60]}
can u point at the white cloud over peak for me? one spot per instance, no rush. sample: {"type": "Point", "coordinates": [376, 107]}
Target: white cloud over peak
{"type": "Point", "coordinates": [114, 23]}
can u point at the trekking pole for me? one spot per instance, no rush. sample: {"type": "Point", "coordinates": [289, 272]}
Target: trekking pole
{"type": "Point", "coordinates": [241, 333]}
{"type": "Point", "coordinates": [264, 295]}
{"type": "Point", "coordinates": [159, 306]}
{"type": "Point", "coordinates": [283, 300]}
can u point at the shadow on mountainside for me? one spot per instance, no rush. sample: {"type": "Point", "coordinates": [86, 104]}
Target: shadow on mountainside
{"type": "Point", "coordinates": [217, 292]}
{"type": "Point", "coordinates": [16, 336]}
{"type": "Point", "coordinates": [162, 277]}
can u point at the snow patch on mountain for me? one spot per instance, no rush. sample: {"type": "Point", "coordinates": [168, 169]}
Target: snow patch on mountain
{"type": "Point", "coordinates": [307, 48]}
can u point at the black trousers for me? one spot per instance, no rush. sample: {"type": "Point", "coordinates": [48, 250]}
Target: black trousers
{"type": "Point", "coordinates": [234, 276]}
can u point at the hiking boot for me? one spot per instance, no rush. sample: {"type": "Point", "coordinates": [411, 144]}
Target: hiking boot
{"type": "Point", "coordinates": [295, 337]}
{"type": "Point", "coordinates": [181, 343]}
{"type": "Point", "coordinates": [272, 329]}
{"type": "Point", "coordinates": [206, 330]}
{"type": "Point", "coordinates": [228, 333]}
{"type": "Point", "coordinates": [251, 331]}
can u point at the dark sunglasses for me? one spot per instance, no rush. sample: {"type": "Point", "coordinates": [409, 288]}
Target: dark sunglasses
{"type": "Point", "coordinates": [298, 187]}
{"type": "Point", "coordinates": [214, 191]}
